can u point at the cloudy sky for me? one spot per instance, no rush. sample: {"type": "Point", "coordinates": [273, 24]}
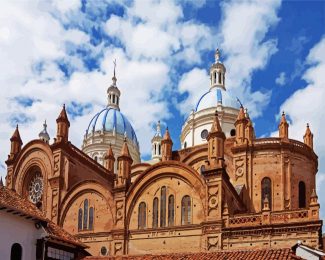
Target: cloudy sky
{"type": "Point", "coordinates": [56, 52]}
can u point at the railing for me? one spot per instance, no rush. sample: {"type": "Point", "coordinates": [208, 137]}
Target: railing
{"type": "Point", "coordinates": [250, 220]}
{"type": "Point", "coordinates": [271, 140]}
{"type": "Point", "coordinates": [292, 216]}
{"type": "Point", "coordinates": [267, 218]}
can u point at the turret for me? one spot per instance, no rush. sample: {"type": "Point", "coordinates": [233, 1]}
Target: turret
{"type": "Point", "coordinates": [43, 135]}
{"type": "Point", "coordinates": [166, 146]}
{"type": "Point", "coordinates": [63, 124]}
{"type": "Point", "coordinates": [216, 139]}
{"type": "Point", "coordinates": [217, 73]}
{"type": "Point", "coordinates": [249, 129]}
{"type": "Point", "coordinates": [113, 93]}
{"type": "Point", "coordinates": [284, 127]}
{"type": "Point", "coordinates": [240, 125]}
{"type": "Point", "coordinates": [124, 166]}
{"type": "Point", "coordinates": [156, 144]}
{"type": "Point", "coordinates": [308, 137]}
{"type": "Point", "coordinates": [109, 159]}
{"type": "Point", "coordinates": [16, 144]}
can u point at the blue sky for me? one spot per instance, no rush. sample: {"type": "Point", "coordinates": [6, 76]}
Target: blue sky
{"type": "Point", "coordinates": [57, 52]}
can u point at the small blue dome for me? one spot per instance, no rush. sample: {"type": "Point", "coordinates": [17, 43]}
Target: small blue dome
{"type": "Point", "coordinates": [110, 118]}
{"type": "Point", "coordinates": [216, 96]}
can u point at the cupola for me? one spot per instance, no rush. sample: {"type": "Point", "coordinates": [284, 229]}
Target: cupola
{"type": "Point", "coordinates": [43, 135]}
{"type": "Point", "coordinates": [113, 93]}
{"type": "Point", "coordinates": [217, 73]}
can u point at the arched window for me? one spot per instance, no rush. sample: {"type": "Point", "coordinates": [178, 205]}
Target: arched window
{"type": "Point", "coordinates": [186, 210]}
{"type": "Point", "coordinates": [302, 195]}
{"type": "Point", "coordinates": [232, 132]}
{"type": "Point", "coordinates": [155, 213]}
{"type": "Point", "coordinates": [113, 99]}
{"type": "Point", "coordinates": [219, 77]}
{"type": "Point", "coordinates": [215, 77]}
{"type": "Point", "coordinates": [163, 207]}
{"type": "Point", "coordinates": [266, 191]}
{"type": "Point", "coordinates": [142, 215]}
{"type": "Point", "coordinates": [171, 210]}
{"type": "Point", "coordinates": [80, 219]}
{"type": "Point", "coordinates": [155, 151]}
{"type": "Point", "coordinates": [159, 149]}
{"type": "Point", "coordinates": [16, 252]}
{"type": "Point", "coordinates": [91, 218]}
{"type": "Point", "coordinates": [85, 214]}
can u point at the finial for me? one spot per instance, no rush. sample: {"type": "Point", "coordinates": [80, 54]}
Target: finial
{"type": "Point", "coordinates": [217, 55]}
{"type": "Point", "coordinates": [240, 103]}
{"type": "Point", "coordinates": [307, 125]}
{"type": "Point", "coordinates": [125, 135]}
{"type": "Point", "coordinates": [114, 75]}
{"type": "Point", "coordinates": [158, 129]}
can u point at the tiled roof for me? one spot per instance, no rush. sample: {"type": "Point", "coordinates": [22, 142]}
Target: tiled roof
{"type": "Point", "coordinates": [278, 254]}
{"type": "Point", "coordinates": [13, 203]}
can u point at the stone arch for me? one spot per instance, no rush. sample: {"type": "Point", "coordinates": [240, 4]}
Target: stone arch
{"type": "Point", "coordinates": [81, 189]}
{"type": "Point", "coordinates": [34, 154]}
{"type": "Point", "coordinates": [165, 170]}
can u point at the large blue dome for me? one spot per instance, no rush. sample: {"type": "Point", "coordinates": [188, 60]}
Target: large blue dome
{"type": "Point", "coordinates": [109, 119]}
{"type": "Point", "coordinates": [216, 96]}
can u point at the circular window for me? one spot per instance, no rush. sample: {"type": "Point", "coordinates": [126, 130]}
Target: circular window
{"type": "Point", "coordinates": [202, 169]}
{"type": "Point", "coordinates": [204, 134]}
{"type": "Point", "coordinates": [232, 132]}
{"type": "Point", "coordinates": [35, 189]}
{"type": "Point", "coordinates": [103, 250]}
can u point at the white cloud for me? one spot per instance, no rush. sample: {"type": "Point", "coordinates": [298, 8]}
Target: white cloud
{"type": "Point", "coordinates": [245, 47]}
{"type": "Point", "coordinates": [306, 105]}
{"type": "Point", "coordinates": [281, 79]}
{"type": "Point", "coordinates": [241, 39]}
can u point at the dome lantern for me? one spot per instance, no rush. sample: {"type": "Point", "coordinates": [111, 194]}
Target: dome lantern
{"type": "Point", "coordinates": [43, 135]}
{"type": "Point", "coordinates": [217, 73]}
{"type": "Point", "coordinates": [113, 93]}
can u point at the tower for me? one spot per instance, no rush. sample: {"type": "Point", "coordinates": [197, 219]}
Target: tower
{"type": "Point", "coordinates": [124, 166]}
{"type": "Point", "coordinates": [308, 137]}
{"type": "Point", "coordinates": [156, 144]}
{"type": "Point", "coordinates": [16, 144]}
{"type": "Point", "coordinates": [240, 125]}
{"type": "Point", "coordinates": [217, 73]}
{"type": "Point", "coordinates": [63, 125]}
{"type": "Point", "coordinates": [166, 147]}
{"type": "Point", "coordinates": [110, 159]}
{"type": "Point", "coordinates": [284, 127]}
{"type": "Point", "coordinates": [43, 135]}
{"type": "Point", "coordinates": [216, 139]}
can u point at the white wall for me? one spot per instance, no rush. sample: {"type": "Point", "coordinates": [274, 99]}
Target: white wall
{"type": "Point", "coordinates": [14, 229]}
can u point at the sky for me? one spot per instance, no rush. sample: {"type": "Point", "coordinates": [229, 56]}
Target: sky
{"type": "Point", "coordinates": [61, 52]}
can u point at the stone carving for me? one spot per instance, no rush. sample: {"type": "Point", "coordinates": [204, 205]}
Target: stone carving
{"type": "Point", "coordinates": [54, 211]}
{"type": "Point", "coordinates": [239, 168]}
{"type": "Point", "coordinates": [56, 168]}
{"type": "Point", "coordinates": [119, 211]}
{"type": "Point", "coordinates": [213, 203]}
{"type": "Point", "coordinates": [118, 248]}
{"type": "Point", "coordinates": [213, 243]}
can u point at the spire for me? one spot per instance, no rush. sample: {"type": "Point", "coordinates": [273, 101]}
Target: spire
{"type": "Point", "coordinates": [1, 183]}
{"type": "Point", "coordinates": [308, 137]}
{"type": "Point", "coordinates": [217, 56]}
{"type": "Point", "coordinates": [125, 149]}
{"type": "Point", "coordinates": [166, 146]}
{"type": "Point", "coordinates": [266, 204]}
{"type": "Point", "coordinates": [16, 143]}
{"type": "Point", "coordinates": [113, 93]}
{"type": "Point", "coordinates": [241, 114]}
{"type": "Point", "coordinates": [167, 135]}
{"type": "Point", "coordinates": [43, 135]}
{"type": "Point", "coordinates": [63, 124]}
{"type": "Point", "coordinates": [216, 124]}
{"type": "Point", "coordinates": [313, 198]}
{"type": "Point", "coordinates": [109, 159]}
{"type": "Point", "coordinates": [283, 127]}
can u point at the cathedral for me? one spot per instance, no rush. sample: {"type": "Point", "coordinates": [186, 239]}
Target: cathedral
{"type": "Point", "coordinates": [225, 189]}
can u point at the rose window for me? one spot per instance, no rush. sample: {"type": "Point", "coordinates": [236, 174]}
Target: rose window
{"type": "Point", "coordinates": [35, 189]}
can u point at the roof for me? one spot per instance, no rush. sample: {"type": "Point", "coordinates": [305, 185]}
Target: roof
{"type": "Point", "coordinates": [110, 119]}
{"type": "Point", "coordinates": [216, 96]}
{"type": "Point", "coordinates": [11, 202]}
{"type": "Point", "coordinates": [279, 254]}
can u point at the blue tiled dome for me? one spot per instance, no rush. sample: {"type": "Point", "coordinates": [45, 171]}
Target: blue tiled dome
{"type": "Point", "coordinates": [216, 96]}
{"type": "Point", "coordinates": [110, 118]}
